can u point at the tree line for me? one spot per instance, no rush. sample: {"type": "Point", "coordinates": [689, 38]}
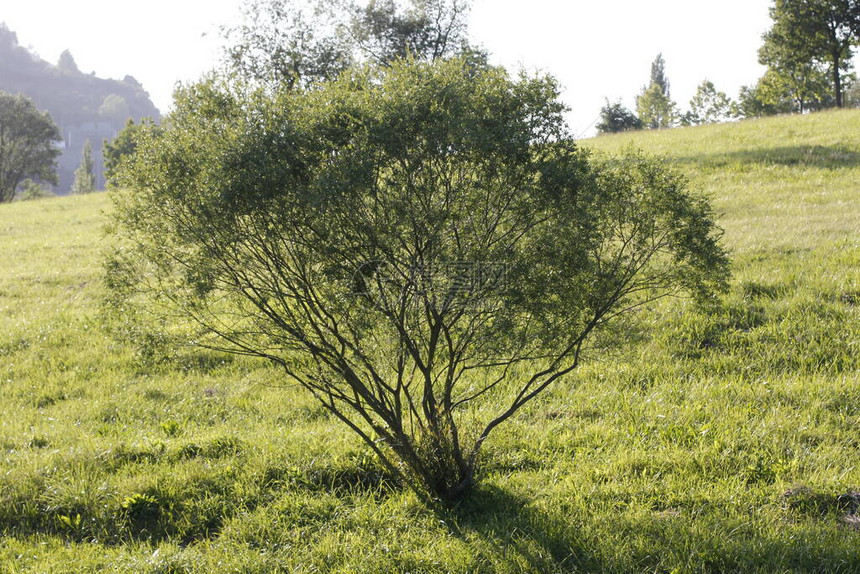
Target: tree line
{"type": "Point", "coordinates": [808, 54]}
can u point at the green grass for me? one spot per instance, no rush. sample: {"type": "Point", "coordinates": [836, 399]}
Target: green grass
{"type": "Point", "coordinates": [721, 442]}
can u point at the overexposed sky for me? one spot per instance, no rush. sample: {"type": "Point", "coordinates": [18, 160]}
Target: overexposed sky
{"type": "Point", "coordinates": [596, 48]}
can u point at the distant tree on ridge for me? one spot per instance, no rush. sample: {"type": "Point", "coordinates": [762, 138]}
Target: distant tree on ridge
{"type": "Point", "coordinates": [654, 105]}
{"type": "Point", "coordinates": [27, 149]}
{"type": "Point", "coordinates": [616, 118]}
{"type": "Point", "coordinates": [85, 179]}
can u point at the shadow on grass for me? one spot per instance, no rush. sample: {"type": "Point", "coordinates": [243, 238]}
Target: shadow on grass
{"type": "Point", "coordinates": [823, 157]}
{"type": "Point", "coordinates": [508, 530]}
{"type": "Point", "coordinates": [508, 533]}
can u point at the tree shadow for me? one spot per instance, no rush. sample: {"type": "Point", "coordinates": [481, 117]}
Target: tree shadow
{"type": "Point", "coordinates": [510, 530]}
{"type": "Point", "coordinates": [822, 157]}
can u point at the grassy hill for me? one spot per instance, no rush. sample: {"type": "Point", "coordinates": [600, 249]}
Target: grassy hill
{"type": "Point", "coordinates": [723, 441]}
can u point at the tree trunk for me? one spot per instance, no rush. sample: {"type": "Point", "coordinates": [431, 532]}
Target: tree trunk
{"type": "Point", "coordinates": [837, 80]}
{"type": "Point", "coordinates": [455, 494]}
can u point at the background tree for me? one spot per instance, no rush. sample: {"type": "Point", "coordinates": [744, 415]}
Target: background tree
{"type": "Point", "coordinates": [852, 95]}
{"type": "Point", "coordinates": [795, 73]}
{"type": "Point", "coordinates": [290, 42]}
{"type": "Point", "coordinates": [798, 90]}
{"type": "Point", "coordinates": [616, 118]}
{"type": "Point", "coordinates": [654, 105]}
{"type": "Point", "coordinates": [423, 248]}
{"type": "Point", "coordinates": [708, 106]}
{"type": "Point", "coordinates": [386, 31]}
{"type": "Point", "coordinates": [753, 102]}
{"type": "Point", "coordinates": [808, 35]}
{"type": "Point", "coordinates": [30, 189]}
{"type": "Point", "coordinates": [85, 179]}
{"type": "Point", "coordinates": [298, 43]}
{"type": "Point", "coordinates": [27, 144]}
{"type": "Point", "coordinates": [115, 109]}
{"type": "Point", "coordinates": [124, 145]}
{"type": "Point", "coordinates": [67, 63]}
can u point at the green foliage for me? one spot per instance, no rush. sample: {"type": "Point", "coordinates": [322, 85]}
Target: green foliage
{"type": "Point", "coordinates": [27, 144]}
{"type": "Point", "coordinates": [616, 118]}
{"type": "Point", "coordinates": [123, 146]}
{"type": "Point", "coordinates": [852, 95]}
{"type": "Point", "coordinates": [30, 189]}
{"type": "Point", "coordinates": [761, 100]}
{"type": "Point", "coordinates": [298, 44]}
{"type": "Point", "coordinates": [397, 241]}
{"type": "Point", "coordinates": [115, 108]}
{"type": "Point", "coordinates": [708, 106]}
{"type": "Point", "coordinates": [654, 105]}
{"type": "Point", "coordinates": [425, 30]}
{"type": "Point", "coordinates": [808, 39]}
{"type": "Point", "coordinates": [795, 79]}
{"type": "Point", "coordinates": [288, 42]}
{"type": "Point", "coordinates": [85, 179]}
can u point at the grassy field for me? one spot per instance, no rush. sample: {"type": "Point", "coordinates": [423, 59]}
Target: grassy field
{"type": "Point", "coordinates": [719, 442]}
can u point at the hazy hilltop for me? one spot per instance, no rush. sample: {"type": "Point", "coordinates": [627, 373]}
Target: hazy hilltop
{"type": "Point", "coordinates": [84, 106]}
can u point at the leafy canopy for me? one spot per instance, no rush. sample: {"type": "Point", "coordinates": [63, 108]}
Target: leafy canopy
{"type": "Point", "coordinates": [808, 40]}
{"type": "Point", "coordinates": [654, 105]}
{"type": "Point", "coordinates": [300, 43]}
{"type": "Point", "coordinates": [616, 118]}
{"type": "Point", "coordinates": [708, 106]}
{"type": "Point", "coordinates": [27, 144]}
{"type": "Point", "coordinates": [423, 248]}
{"type": "Point", "coordinates": [85, 179]}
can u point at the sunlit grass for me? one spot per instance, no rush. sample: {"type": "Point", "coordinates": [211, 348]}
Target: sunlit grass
{"type": "Point", "coordinates": [721, 441]}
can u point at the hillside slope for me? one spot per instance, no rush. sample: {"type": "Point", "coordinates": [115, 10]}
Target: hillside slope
{"type": "Point", "coordinates": [780, 182]}
{"type": "Point", "coordinates": [716, 441]}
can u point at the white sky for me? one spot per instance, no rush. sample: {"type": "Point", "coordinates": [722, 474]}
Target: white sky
{"type": "Point", "coordinates": [597, 49]}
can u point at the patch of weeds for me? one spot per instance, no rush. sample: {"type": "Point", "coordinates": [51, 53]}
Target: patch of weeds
{"type": "Point", "coordinates": [801, 500]}
{"type": "Point", "coordinates": [171, 428]}
{"type": "Point", "coordinates": [142, 512]}
{"type": "Point", "coordinates": [358, 472]}
{"type": "Point", "coordinates": [155, 395]}
{"type": "Point", "coordinates": [38, 442]}
{"type": "Point", "coordinates": [761, 468]}
{"type": "Point", "coordinates": [280, 476]}
{"type": "Point", "coordinates": [15, 346]}
{"type": "Point", "coordinates": [50, 399]}
{"type": "Point", "coordinates": [755, 290]}
{"type": "Point", "coordinates": [70, 524]}
{"type": "Point", "coordinates": [124, 454]}
{"type": "Point", "coordinates": [850, 298]}
{"type": "Point", "coordinates": [694, 334]}
{"type": "Point", "coordinates": [224, 446]}
{"type": "Point", "coordinates": [110, 414]}
{"type": "Point", "coordinates": [190, 450]}
{"type": "Point", "coordinates": [219, 447]}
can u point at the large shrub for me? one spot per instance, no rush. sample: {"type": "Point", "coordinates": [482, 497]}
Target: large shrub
{"type": "Point", "coordinates": [424, 248]}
